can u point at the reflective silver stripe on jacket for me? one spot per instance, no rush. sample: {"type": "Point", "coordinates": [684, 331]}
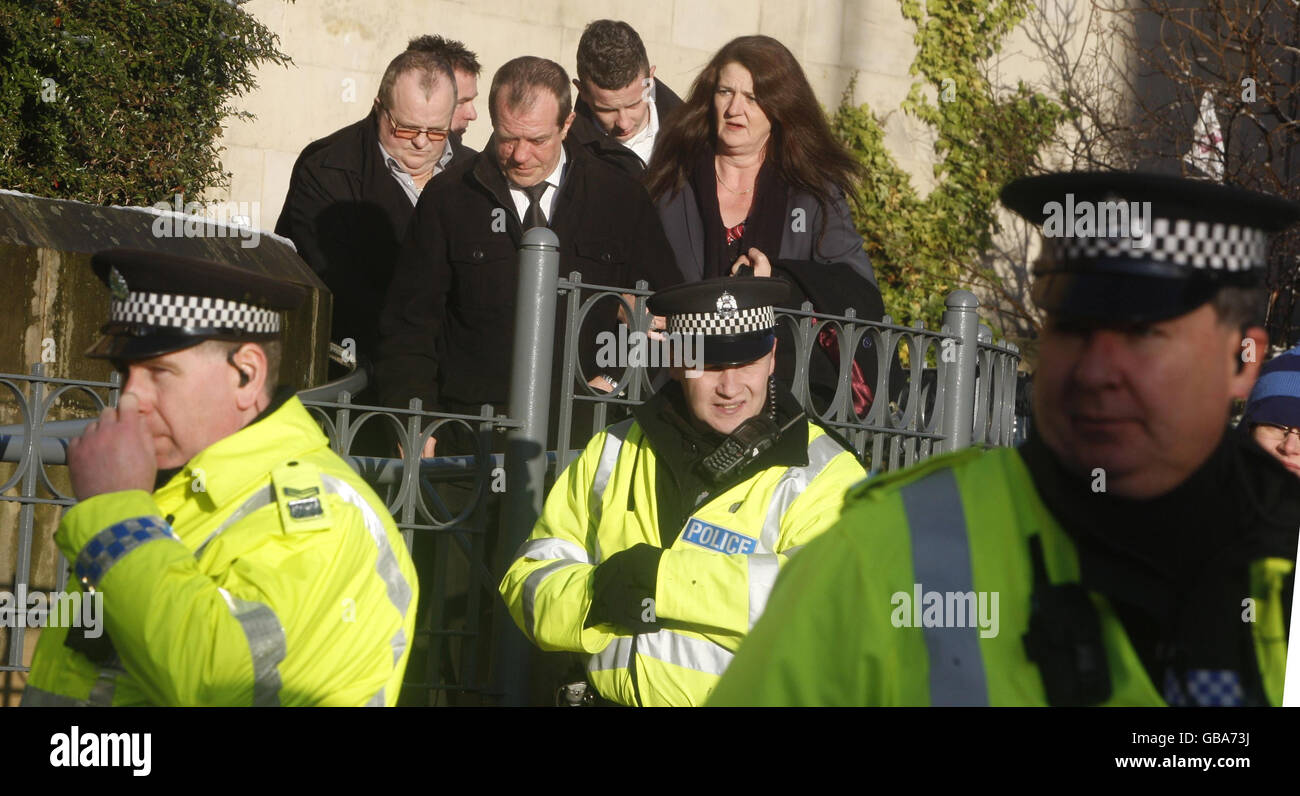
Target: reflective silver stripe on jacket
{"type": "Point", "coordinates": [763, 569]}
{"type": "Point", "coordinates": [34, 697]}
{"type": "Point", "coordinates": [614, 436]}
{"type": "Point", "coordinates": [266, 642]}
{"type": "Point", "coordinates": [378, 700]}
{"type": "Point", "coordinates": [101, 694]}
{"type": "Point", "coordinates": [941, 562]}
{"type": "Point", "coordinates": [399, 591]}
{"type": "Point", "coordinates": [563, 553]}
{"type": "Point", "coordinates": [688, 652]}
{"type": "Point", "coordinates": [667, 646]}
{"type": "Point", "coordinates": [262, 497]}
{"type": "Point", "coordinates": [531, 584]}
{"type": "Point", "coordinates": [617, 655]}
{"type": "Point", "coordinates": [792, 484]}
{"type": "Point", "coordinates": [546, 549]}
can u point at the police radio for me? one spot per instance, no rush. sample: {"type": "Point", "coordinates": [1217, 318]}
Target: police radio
{"type": "Point", "coordinates": [750, 439]}
{"type": "Point", "coordinates": [1064, 639]}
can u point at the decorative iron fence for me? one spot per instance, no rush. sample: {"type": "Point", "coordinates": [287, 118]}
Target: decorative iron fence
{"type": "Point", "coordinates": [935, 391]}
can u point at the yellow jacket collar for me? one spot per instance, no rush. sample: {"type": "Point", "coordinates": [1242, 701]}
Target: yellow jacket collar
{"type": "Point", "coordinates": [225, 468]}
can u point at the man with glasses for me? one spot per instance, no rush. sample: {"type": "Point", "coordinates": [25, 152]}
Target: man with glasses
{"type": "Point", "coordinates": [352, 193]}
{"type": "Point", "coordinates": [1272, 414]}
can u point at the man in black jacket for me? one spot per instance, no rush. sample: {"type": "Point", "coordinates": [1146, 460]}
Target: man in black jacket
{"type": "Point", "coordinates": [448, 325]}
{"type": "Point", "coordinates": [352, 193]}
{"type": "Point", "coordinates": [621, 104]}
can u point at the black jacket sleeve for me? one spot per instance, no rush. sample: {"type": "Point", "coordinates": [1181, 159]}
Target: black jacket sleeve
{"type": "Point", "coordinates": [652, 256]}
{"type": "Point", "coordinates": [306, 200]}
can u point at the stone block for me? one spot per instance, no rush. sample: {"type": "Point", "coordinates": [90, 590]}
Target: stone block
{"type": "Point", "coordinates": [708, 26]}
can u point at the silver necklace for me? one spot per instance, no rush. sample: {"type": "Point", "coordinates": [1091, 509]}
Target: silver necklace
{"type": "Point", "coordinates": [750, 189]}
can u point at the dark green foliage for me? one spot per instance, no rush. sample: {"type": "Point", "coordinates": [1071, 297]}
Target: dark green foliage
{"type": "Point", "coordinates": [122, 101]}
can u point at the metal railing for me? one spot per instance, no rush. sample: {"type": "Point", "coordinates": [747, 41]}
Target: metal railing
{"type": "Point", "coordinates": [958, 389]}
{"type": "Point", "coordinates": [954, 394]}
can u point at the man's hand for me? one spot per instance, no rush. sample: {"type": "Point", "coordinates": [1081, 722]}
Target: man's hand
{"type": "Point", "coordinates": [754, 259]}
{"type": "Point", "coordinates": [623, 589]}
{"type": "Point", "coordinates": [657, 322]}
{"type": "Point", "coordinates": [115, 453]}
{"type": "Point", "coordinates": [429, 445]}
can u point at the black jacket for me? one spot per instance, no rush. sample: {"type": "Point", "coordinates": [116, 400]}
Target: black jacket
{"type": "Point", "coordinates": [348, 216]}
{"type": "Point", "coordinates": [448, 323]}
{"type": "Point", "coordinates": [1175, 568]}
{"type": "Point", "coordinates": [586, 131]}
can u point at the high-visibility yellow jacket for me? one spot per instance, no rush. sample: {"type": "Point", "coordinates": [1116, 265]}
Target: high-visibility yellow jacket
{"type": "Point", "coordinates": [850, 622]}
{"type": "Point", "coordinates": [265, 572]}
{"type": "Point", "coordinates": [712, 583]}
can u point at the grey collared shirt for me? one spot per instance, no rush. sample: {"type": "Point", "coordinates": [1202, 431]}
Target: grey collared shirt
{"type": "Point", "coordinates": [405, 180]}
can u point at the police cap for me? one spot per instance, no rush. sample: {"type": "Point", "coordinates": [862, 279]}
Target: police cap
{"type": "Point", "coordinates": [1124, 247]}
{"type": "Point", "coordinates": [734, 315]}
{"type": "Point", "coordinates": [164, 302]}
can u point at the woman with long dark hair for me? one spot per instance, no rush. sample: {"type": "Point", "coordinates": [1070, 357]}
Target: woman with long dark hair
{"type": "Point", "coordinates": [748, 174]}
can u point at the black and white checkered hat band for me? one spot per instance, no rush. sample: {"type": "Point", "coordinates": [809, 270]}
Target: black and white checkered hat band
{"type": "Point", "coordinates": [757, 319]}
{"type": "Point", "coordinates": [1195, 244]}
{"type": "Point", "coordinates": [194, 312]}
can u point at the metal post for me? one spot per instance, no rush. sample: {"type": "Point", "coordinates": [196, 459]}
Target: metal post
{"type": "Point", "coordinates": [27, 513]}
{"type": "Point", "coordinates": [530, 404]}
{"type": "Point", "coordinates": [961, 319]}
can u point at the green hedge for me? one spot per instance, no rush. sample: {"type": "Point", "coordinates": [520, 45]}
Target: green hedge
{"type": "Point", "coordinates": [122, 101]}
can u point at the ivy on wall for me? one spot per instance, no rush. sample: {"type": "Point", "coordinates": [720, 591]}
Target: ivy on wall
{"type": "Point", "coordinates": [922, 248]}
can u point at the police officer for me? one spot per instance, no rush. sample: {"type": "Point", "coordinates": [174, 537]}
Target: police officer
{"type": "Point", "coordinates": [239, 561]}
{"type": "Point", "coordinates": [1130, 552]}
{"type": "Point", "coordinates": [657, 547]}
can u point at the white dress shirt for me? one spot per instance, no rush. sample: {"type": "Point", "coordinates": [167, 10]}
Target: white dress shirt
{"type": "Point", "coordinates": [547, 201]}
{"type": "Point", "coordinates": [643, 143]}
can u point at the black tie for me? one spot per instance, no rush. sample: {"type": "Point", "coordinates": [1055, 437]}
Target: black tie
{"type": "Point", "coordinates": [535, 217]}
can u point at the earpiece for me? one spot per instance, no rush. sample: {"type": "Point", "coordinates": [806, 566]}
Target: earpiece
{"type": "Point", "coordinates": [243, 377]}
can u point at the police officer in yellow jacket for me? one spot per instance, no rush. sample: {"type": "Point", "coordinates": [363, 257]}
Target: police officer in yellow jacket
{"type": "Point", "coordinates": [1132, 552]}
{"type": "Point", "coordinates": [239, 561]}
{"type": "Point", "coordinates": [657, 548]}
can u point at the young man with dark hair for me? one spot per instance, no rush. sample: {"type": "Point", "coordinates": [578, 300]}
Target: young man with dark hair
{"type": "Point", "coordinates": [621, 104]}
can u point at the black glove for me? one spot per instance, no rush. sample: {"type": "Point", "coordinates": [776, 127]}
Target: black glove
{"type": "Point", "coordinates": [623, 590]}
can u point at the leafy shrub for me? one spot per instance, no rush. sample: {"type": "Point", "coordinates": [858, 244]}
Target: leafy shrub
{"type": "Point", "coordinates": [122, 101]}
